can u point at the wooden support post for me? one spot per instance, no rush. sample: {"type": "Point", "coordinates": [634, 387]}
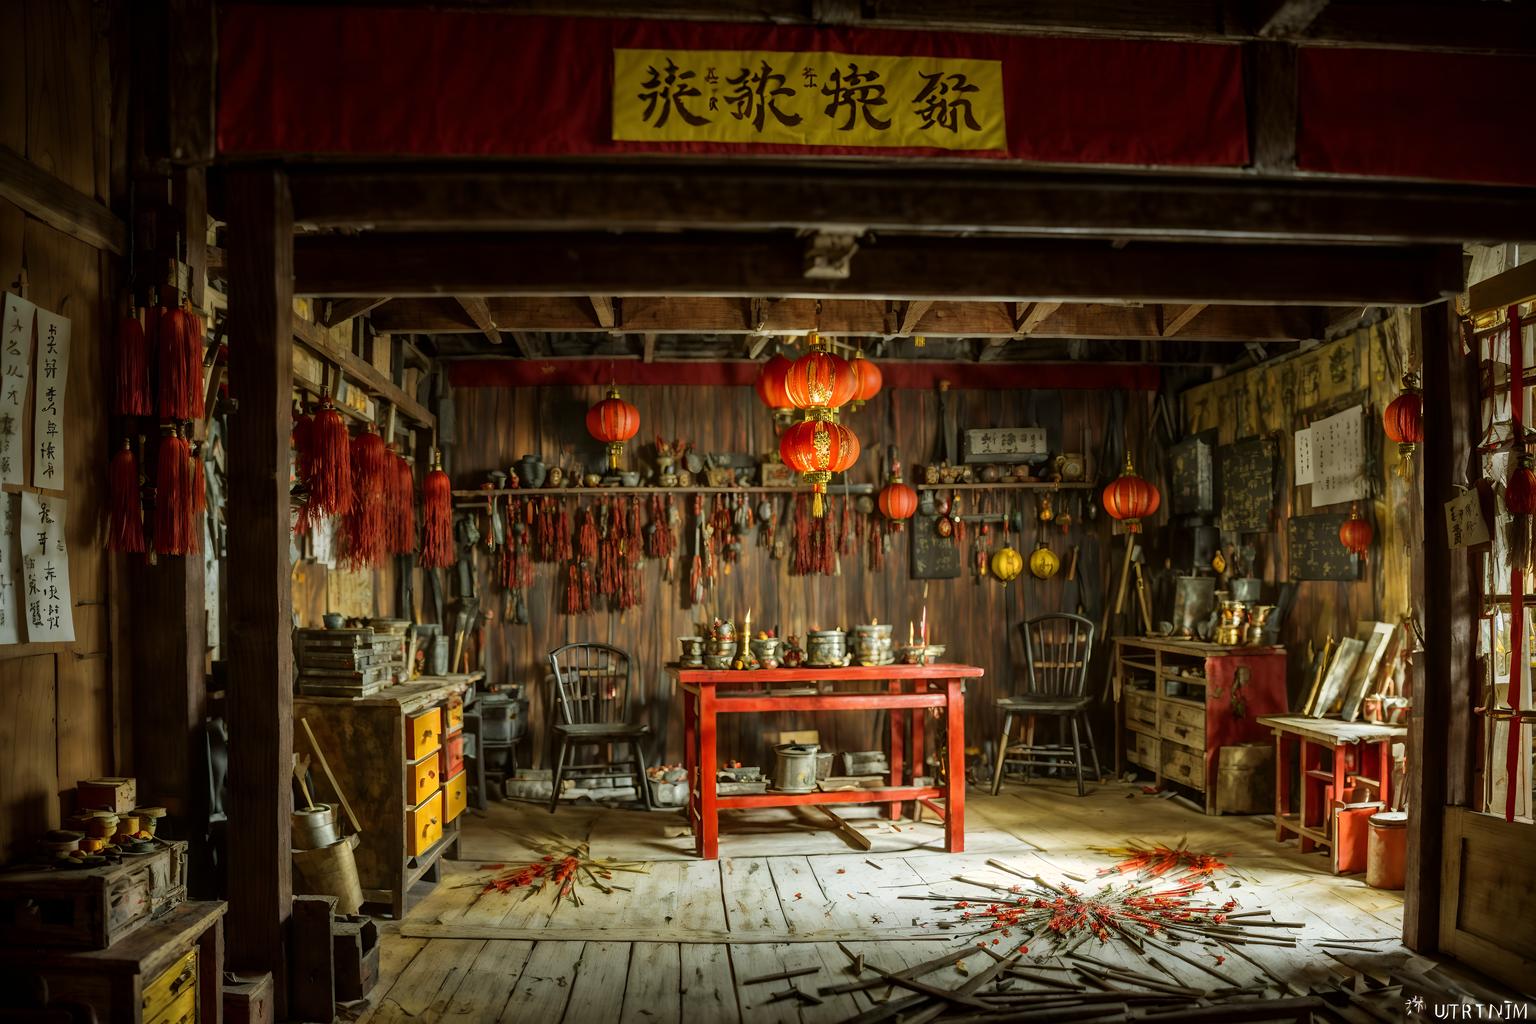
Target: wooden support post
{"type": "Point", "coordinates": [260, 656]}
{"type": "Point", "coordinates": [1450, 431]}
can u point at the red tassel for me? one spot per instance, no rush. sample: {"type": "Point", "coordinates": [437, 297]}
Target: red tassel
{"type": "Point", "coordinates": [132, 397]}
{"type": "Point", "coordinates": [174, 339]}
{"type": "Point", "coordinates": [329, 476]}
{"type": "Point", "coordinates": [436, 517]}
{"type": "Point", "coordinates": [173, 495]}
{"type": "Point", "coordinates": [192, 350]}
{"type": "Point", "coordinates": [125, 530]}
{"type": "Point", "coordinates": [403, 527]}
{"type": "Point", "coordinates": [363, 527]}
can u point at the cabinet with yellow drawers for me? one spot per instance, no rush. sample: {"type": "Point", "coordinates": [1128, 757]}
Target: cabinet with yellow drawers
{"type": "Point", "coordinates": [388, 754]}
{"type": "Point", "coordinates": [169, 971]}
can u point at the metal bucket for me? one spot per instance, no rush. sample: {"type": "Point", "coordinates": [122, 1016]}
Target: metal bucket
{"type": "Point", "coordinates": [331, 871]}
{"type": "Point", "coordinates": [314, 827]}
{"type": "Point", "coordinates": [794, 767]}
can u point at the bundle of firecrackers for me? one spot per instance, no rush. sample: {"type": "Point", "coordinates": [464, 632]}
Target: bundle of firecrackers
{"type": "Point", "coordinates": [564, 867]}
{"type": "Point", "coordinates": [1161, 861]}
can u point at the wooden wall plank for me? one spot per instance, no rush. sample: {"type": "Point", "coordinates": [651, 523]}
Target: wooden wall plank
{"type": "Point", "coordinates": [29, 780]}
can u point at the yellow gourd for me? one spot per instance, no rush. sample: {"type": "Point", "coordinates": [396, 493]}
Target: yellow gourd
{"type": "Point", "coordinates": [1007, 564]}
{"type": "Point", "coordinates": [1043, 563]}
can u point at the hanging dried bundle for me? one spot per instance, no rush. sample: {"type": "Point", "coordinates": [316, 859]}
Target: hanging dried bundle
{"type": "Point", "coordinates": [327, 464]}
{"type": "Point", "coordinates": [173, 494]}
{"type": "Point", "coordinates": [192, 351]}
{"type": "Point", "coordinates": [401, 514]}
{"type": "Point", "coordinates": [178, 349]}
{"type": "Point", "coordinates": [131, 395]}
{"type": "Point", "coordinates": [125, 530]}
{"type": "Point", "coordinates": [436, 516]}
{"type": "Point", "coordinates": [364, 524]}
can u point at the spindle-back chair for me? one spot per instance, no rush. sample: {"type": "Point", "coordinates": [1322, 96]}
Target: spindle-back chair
{"type": "Point", "coordinates": [591, 709]}
{"type": "Point", "coordinates": [1057, 650]}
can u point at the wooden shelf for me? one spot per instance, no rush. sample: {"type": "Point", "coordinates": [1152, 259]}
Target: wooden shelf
{"type": "Point", "coordinates": [834, 490]}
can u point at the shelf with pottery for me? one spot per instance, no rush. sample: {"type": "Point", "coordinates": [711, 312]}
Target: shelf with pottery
{"type": "Point", "coordinates": [834, 489]}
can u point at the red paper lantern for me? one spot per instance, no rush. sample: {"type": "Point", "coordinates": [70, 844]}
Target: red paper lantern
{"type": "Point", "coordinates": [816, 449]}
{"type": "Point", "coordinates": [898, 501]}
{"type": "Point", "coordinates": [1131, 499]}
{"type": "Point", "coordinates": [867, 380]}
{"type": "Point", "coordinates": [613, 421]}
{"type": "Point", "coordinates": [770, 383]}
{"type": "Point", "coordinates": [820, 380]}
{"type": "Point", "coordinates": [1520, 501]}
{"type": "Point", "coordinates": [1403, 419]}
{"type": "Point", "coordinates": [1356, 533]}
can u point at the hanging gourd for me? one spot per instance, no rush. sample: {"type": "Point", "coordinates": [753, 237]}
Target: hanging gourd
{"type": "Point", "coordinates": [1130, 499]}
{"type": "Point", "coordinates": [771, 390]}
{"type": "Point", "coordinates": [1356, 533]}
{"type": "Point", "coordinates": [1007, 564]}
{"type": "Point", "coordinates": [613, 421]}
{"type": "Point", "coordinates": [867, 379]}
{"type": "Point", "coordinates": [1403, 421]}
{"type": "Point", "coordinates": [1043, 563]}
{"type": "Point", "coordinates": [816, 449]}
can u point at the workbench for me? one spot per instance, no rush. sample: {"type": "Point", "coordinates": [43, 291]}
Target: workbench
{"type": "Point", "coordinates": [1314, 739]}
{"type": "Point", "coordinates": [908, 692]}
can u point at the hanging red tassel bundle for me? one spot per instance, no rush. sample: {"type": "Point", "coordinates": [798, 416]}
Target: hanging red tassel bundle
{"type": "Point", "coordinates": [192, 350]}
{"type": "Point", "coordinates": [132, 391]}
{"type": "Point", "coordinates": [177, 350]}
{"type": "Point", "coordinates": [363, 526]}
{"type": "Point", "coordinates": [403, 508]}
{"type": "Point", "coordinates": [436, 516]}
{"type": "Point", "coordinates": [173, 494]}
{"type": "Point", "coordinates": [125, 530]}
{"type": "Point", "coordinates": [329, 463]}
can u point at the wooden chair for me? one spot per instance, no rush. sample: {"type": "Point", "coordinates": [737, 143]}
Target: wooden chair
{"type": "Point", "coordinates": [591, 709]}
{"type": "Point", "coordinates": [1057, 649]}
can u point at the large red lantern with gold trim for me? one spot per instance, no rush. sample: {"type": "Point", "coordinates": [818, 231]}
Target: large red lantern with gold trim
{"type": "Point", "coordinates": [1356, 533]}
{"type": "Point", "coordinates": [1403, 418]}
{"type": "Point", "coordinates": [816, 449]}
{"type": "Point", "coordinates": [867, 379]}
{"type": "Point", "coordinates": [820, 379]}
{"type": "Point", "coordinates": [1130, 499]}
{"type": "Point", "coordinates": [613, 421]}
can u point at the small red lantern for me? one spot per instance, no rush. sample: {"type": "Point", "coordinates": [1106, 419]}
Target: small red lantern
{"type": "Point", "coordinates": [816, 449]}
{"type": "Point", "coordinates": [613, 421]}
{"type": "Point", "coordinates": [771, 389]}
{"type": "Point", "coordinates": [1403, 419]}
{"type": "Point", "coordinates": [820, 379]}
{"type": "Point", "coordinates": [1356, 533]}
{"type": "Point", "coordinates": [898, 501]}
{"type": "Point", "coordinates": [1520, 501]}
{"type": "Point", "coordinates": [867, 379]}
{"type": "Point", "coordinates": [1131, 499]}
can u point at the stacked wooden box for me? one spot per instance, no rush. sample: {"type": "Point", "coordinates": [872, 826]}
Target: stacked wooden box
{"type": "Point", "coordinates": [344, 662]}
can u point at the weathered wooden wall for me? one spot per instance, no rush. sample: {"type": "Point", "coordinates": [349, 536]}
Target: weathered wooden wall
{"type": "Point", "coordinates": [1277, 399]}
{"type": "Point", "coordinates": [975, 618]}
{"type": "Point", "coordinates": [59, 717]}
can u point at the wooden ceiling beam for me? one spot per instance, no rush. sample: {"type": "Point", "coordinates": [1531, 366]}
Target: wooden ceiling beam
{"type": "Point", "coordinates": [1287, 19]}
{"type": "Point", "coordinates": [335, 311]}
{"type": "Point", "coordinates": [602, 306]}
{"type": "Point", "coordinates": [723, 264]}
{"type": "Point", "coordinates": [480, 312]}
{"type": "Point", "coordinates": [1178, 319]}
{"type": "Point", "coordinates": [848, 318]}
{"type": "Point", "coordinates": [676, 196]}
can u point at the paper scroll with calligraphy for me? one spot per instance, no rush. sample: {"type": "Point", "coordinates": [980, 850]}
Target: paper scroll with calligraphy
{"type": "Point", "coordinates": [15, 367]}
{"type": "Point", "coordinates": [48, 407]}
{"type": "Point", "coordinates": [10, 629]}
{"type": "Point", "coordinates": [45, 566]}
{"type": "Point", "coordinates": [807, 99]}
{"type": "Point", "coordinates": [1338, 458]}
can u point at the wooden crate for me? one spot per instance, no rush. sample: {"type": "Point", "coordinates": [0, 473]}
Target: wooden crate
{"type": "Point", "coordinates": [90, 908]}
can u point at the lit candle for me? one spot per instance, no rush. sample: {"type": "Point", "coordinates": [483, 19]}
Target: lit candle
{"type": "Point", "coordinates": [925, 625]}
{"type": "Point", "coordinates": [910, 640]}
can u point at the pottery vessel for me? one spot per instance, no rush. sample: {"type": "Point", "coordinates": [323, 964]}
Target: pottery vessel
{"type": "Point", "coordinates": [531, 471]}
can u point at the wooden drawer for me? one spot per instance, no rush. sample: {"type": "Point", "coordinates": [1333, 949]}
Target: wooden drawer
{"type": "Point", "coordinates": [1140, 709]}
{"type": "Point", "coordinates": [455, 795]}
{"type": "Point", "coordinates": [174, 983]}
{"type": "Point", "coordinates": [424, 825]}
{"type": "Point", "coordinates": [1183, 765]}
{"type": "Point", "coordinates": [183, 1009]}
{"type": "Point", "coordinates": [1143, 749]}
{"type": "Point", "coordinates": [451, 757]}
{"type": "Point", "coordinates": [422, 778]}
{"type": "Point", "coordinates": [455, 715]}
{"type": "Point", "coordinates": [1184, 722]}
{"type": "Point", "coordinates": [423, 733]}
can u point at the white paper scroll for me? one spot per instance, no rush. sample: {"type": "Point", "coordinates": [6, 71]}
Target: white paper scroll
{"type": "Point", "coordinates": [15, 366]}
{"type": "Point", "coordinates": [1303, 461]}
{"type": "Point", "coordinates": [10, 624]}
{"type": "Point", "coordinates": [48, 409]}
{"type": "Point", "coordinates": [45, 564]}
{"type": "Point", "coordinates": [1338, 458]}
{"type": "Point", "coordinates": [1464, 522]}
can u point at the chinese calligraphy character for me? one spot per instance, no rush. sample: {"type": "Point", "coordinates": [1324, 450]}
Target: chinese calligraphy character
{"type": "Point", "coordinates": [856, 92]}
{"type": "Point", "coordinates": [944, 101]}
{"type": "Point", "coordinates": [667, 91]}
{"type": "Point", "coordinates": [808, 76]}
{"type": "Point", "coordinates": [757, 95]}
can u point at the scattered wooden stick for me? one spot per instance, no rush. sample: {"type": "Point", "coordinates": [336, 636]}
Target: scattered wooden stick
{"type": "Point", "coordinates": [794, 972]}
{"type": "Point", "coordinates": [850, 834]}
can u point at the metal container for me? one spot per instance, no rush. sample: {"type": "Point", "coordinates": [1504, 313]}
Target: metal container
{"type": "Point", "coordinates": [314, 827]}
{"type": "Point", "coordinates": [693, 652]}
{"type": "Point", "coordinates": [826, 648]}
{"type": "Point", "coordinates": [794, 767]}
{"type": "Point", "coordinates": [766, 651]}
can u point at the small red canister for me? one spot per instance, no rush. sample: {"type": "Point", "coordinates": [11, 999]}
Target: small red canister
{"type": "Point", "coordinates": [1387, 850]}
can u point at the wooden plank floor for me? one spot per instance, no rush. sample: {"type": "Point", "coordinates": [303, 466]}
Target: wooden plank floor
{"type": "Point", "coordinates": [784, 877]}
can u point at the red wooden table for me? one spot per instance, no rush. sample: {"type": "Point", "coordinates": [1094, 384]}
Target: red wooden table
{"type": "Point", "coordinates": [909, 691]}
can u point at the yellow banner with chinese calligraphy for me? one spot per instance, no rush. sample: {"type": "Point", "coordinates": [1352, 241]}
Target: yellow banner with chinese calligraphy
{"type": "Point", "coordinates": [807, 99]}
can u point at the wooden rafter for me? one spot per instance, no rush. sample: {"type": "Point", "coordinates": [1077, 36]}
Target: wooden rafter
{"type": "Point", "coordinates": [602, 306]}
{"type": "Point", "coordinates": [480, 312]}
{"type": "Point", "coordinates": [1288, 19]}
{"type": "Point", "coordinates": [360, 372]}
{"type": "Point", "coordinates": [59, 205]}
{"type": "Point", "coordinates": [720, 263]}
{"type": "Point", "coordinates": [911, 315]}
{"type": "Point", "coordinates": [1033, 315]}
{"type": "Point", "coordinates": [1180, 318]}
{"type": "Point", "coordinates": [335, 311]}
